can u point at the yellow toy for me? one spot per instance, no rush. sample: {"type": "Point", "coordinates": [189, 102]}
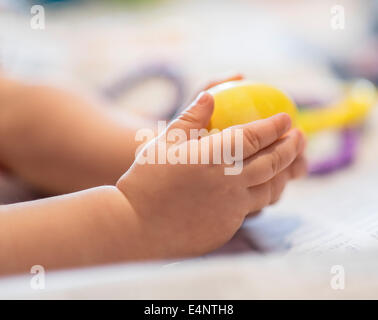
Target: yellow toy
{"type": "Point", "coordinates": [360, 97]}
{"type": "Point", "coordinates": [239, 102]}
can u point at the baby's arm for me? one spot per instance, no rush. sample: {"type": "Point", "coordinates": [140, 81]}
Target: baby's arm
{"type": "Point", "coordinates": [59, 142]}
{"type": "Point", "coordinates": [89, 227]}
{"type": "Point", "coordinates": [156, 211]}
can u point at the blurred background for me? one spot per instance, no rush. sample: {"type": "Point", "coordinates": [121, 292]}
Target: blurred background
{"type": "Point", "coordinates": [93, 43]}
{"type": "Point", "coordinates": [150, 57]}
{"type": "Point", "coordinates": [166, 50]}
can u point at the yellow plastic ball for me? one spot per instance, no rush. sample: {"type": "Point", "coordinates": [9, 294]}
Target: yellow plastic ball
{"type": "Point", "coordinates": [239, 102]}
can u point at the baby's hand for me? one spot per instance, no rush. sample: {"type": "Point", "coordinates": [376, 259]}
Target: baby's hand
{"type": "Point", "coordinates": [191, 209]}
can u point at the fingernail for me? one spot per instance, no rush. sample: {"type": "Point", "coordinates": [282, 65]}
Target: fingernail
{"type": "Point", "coordinates": [287, 120]}
{"type": "Point", "coordinates": [301, 141]}
{"type": "Point", "coordinates": [202, 97]}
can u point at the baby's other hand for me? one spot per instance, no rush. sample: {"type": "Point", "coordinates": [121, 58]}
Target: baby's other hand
{"type": "Point", "coordinates": [191, 209]}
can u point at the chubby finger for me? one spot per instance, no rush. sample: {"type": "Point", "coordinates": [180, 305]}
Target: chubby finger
{"type": "Point", "coordinates": [268, 192]}
{"type": "Point", "coordinates": [299, 167]}
{"type": "Point", "coordinates": [258, 134]}
{"type": "Point", "coordinates": [278, 184]}
{"type": "Point", "coordinates": [270, 161]}
{"type": "Point", "coordinates": [197, 115]}
{"type": "Point", "coordinates": [296, 170]}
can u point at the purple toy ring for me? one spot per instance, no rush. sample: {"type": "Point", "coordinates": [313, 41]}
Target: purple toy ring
{"type": "Point", "coordinates": [345, 156]}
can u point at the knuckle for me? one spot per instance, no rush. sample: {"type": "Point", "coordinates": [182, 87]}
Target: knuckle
{"type": "Point", "coordinates": [188, 116]}
{"type": "Point", "coordinates": [252, 139]}
{"type": "Point", "coordinates": [276, 162]}
{"type": "Point", "coordinates": [297, 141]}
{"type": "Point", "coordinates": [278, 186]}
{"type": "Point", "coordinates": [276, 128]}
{"type": "Point", "coordinates": [249, 176]}
{"type": "Point", "coordinates": [266, 194]}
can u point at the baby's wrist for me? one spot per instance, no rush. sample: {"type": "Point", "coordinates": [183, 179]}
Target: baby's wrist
{"type": "Point", "coordinates": [141, 239]}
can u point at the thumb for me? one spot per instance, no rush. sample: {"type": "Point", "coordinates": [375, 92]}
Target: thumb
{"type": "Point", "coordinates": [197, 115]}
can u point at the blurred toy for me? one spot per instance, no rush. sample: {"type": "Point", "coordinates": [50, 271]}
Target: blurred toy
{"type": "Point", "coordinates": [344, 155]}
{"type": "Point", "coordinates": [159, 71]}
{"type": "Point", "coordinates": [240, 102]}
{"type": "Point", "coordinates": [346, 116]}
{"type": "Point", "coordinates": [351, 110]}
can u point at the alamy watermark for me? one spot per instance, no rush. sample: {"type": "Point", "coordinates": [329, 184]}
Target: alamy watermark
{"type": "Point", "coordinates": [200, 146]}
{"type": "Point", "coordinates": [37, 21]}
{"type": "Point", "coordinates": [37, 281]}
{"type": "Point", "coordinates": [338, 278]}
{"type": "Point", "coordinates": [337, 20]}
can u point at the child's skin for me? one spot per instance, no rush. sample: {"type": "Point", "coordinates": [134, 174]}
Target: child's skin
{"type": "Point", "coordinates": [59, 142]}
{"type": "Point", "coordinates": [154, 211]}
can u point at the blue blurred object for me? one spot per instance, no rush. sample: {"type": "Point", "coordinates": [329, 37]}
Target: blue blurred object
{"type": "Point", "coordinates": [161, 71]}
